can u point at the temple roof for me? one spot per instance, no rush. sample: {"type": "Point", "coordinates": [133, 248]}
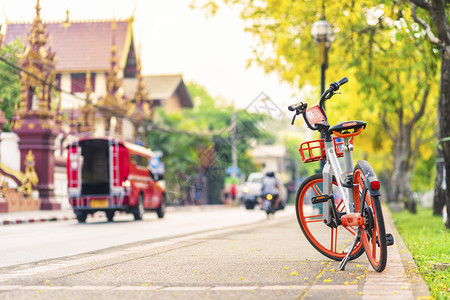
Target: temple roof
{"type": "Point", "coordinates": [81, 46]}
{"type": "Point", "coordinates": [160, 87]}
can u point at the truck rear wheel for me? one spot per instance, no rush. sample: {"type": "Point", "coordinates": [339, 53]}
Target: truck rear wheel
{"type": "Point", "coordinates": [110, 215]}
{"type": "Point", "coordinates": [162, 208]}
{"type": "Point", "coordinates": [81, 216]}
{"type": "Point", "coordinates": [138, 210]}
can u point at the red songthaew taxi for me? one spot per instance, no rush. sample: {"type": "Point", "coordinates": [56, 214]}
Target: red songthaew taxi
{"type": "Point", "coordinates": [107, 174]}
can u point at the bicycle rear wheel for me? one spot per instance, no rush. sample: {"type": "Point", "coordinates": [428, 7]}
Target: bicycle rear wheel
{"type": "Point", "coordinates": [373, 231]}
{"type": "Point", "coordinates": [331, 242]}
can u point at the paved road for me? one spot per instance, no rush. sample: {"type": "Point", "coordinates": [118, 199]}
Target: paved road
{"type": "Point", "coordinates": [26, 243]}
{"type": "Point", "coordinates": [269, 259]}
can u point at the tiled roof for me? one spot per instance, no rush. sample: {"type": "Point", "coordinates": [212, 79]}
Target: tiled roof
{"type": "Point", "coordinates": [160, 87]}
{"type": "Point", "coordinates": [83, 46]}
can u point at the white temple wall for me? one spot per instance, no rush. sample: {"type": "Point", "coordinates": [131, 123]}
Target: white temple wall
{"type": "Point", "coordinates": [10, 154]}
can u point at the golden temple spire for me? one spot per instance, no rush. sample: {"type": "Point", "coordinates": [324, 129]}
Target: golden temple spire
{"type": "Point", "coordinates": [39, 64]}
{"type": "Point", "coordinates": [113, 83]}
{"type": "Point", "coordinates": [140, 95]}
{"type": "Point", "coordinates": [66, 24]}
{"type": "Point", "coordinates": [88, 110]}
{"type": "Point", "coordinates": [37, 38]}
{"type": "Point", "coordinates": [140, 109]}
{"type": "Point", "coordinates": [88, 86]}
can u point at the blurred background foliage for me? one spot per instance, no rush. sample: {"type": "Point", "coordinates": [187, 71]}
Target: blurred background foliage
{"type": "Point", "coordinates": [9, 78]}
{"type": "Point", "coordinates": [393, 76]}
{"type": "Point", "coordinates": [207, 127]}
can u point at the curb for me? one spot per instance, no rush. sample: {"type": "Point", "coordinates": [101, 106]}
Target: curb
{"type": "Point", "coordinates": [71, 216]}
{"type": "Point", "coordinates": [27, 220]}
{"type": "Point", "coordinates": [401, 279]}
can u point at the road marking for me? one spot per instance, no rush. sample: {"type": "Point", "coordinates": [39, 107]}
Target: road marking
{"type": "Point", "coordinates": [186, 288]}
{"type": "Point", "coordinates": [91, 287]}
{"type": "Point", "coordinates": [278, 287]}
{"type": "Point", "coordinates": [9, 287]}
{"type": "Point", "coordinates": [137, 288]}
{"type": "Point", "coordinates": [234, 288]}
{"type": "Point", "coordinates": [334, 287]}
{"type": "Point", "coordinates": [172, 288]}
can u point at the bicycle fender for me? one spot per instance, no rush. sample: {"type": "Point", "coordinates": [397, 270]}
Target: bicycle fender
{"type": "Point", "coordinates": [370, 177]}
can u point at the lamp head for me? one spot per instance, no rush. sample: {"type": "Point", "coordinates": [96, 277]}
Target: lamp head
{"type": "Point", "coordinates": [322, 31]}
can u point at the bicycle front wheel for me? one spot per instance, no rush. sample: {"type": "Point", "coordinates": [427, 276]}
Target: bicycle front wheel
{"type": "Point", "coordinates": [331, 242]}
{"type": "Point", "coordinates": [373, 231]}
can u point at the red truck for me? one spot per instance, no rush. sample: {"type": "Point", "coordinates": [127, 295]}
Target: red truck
{"type": "Point", "coordinates": [107, 174]}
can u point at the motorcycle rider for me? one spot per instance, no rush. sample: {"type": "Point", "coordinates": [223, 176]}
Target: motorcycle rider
{"type": "Point", "coordinates": [270, 186]}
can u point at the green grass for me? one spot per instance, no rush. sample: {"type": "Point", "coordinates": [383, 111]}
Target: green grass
{"type": "Point", "coordinates": [429, 243]}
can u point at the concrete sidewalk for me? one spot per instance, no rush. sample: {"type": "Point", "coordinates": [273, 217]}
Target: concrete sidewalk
{"type": "Point", "coordinates": [400, 280]}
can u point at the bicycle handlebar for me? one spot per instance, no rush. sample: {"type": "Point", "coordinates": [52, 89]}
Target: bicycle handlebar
{"type": "Point", "coordinates": [295, 106]}
{"type": "Point", "coordinates": [300, 107]}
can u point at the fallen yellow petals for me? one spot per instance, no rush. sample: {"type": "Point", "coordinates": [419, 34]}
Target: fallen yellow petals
{"type": "Point", "coordinates": [327, 280]}
{"type": "Point", "coordinates": [294, 274]}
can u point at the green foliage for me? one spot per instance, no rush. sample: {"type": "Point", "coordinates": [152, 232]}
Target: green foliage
{"type": "Point", "coordinates": [183, 137]}
{"type": "Point", "coordinates": [9, 81]}
{"type": "Point", "coordinates": [429, 242]}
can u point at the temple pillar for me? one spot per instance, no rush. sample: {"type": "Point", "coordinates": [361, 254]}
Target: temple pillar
{"type": "Point", "coordinates": [41, 141]}
{"type": "Point", "coordinates": [35, 121]}
{"type": "Point", "coordinates": [3, 203]}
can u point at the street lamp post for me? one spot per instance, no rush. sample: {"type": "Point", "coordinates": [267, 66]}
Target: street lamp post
{"type": "Point", "coordinates": [323, 36]}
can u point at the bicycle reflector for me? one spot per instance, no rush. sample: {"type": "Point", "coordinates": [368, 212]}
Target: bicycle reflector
{"type": "Point", "coordinates": [374, 185]}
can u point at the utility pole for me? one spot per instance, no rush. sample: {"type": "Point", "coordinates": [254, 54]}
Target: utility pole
{"type": "Point", "coordinates": [234, 145]}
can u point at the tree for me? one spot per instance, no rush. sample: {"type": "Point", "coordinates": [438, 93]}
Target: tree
{"type": "Point", "coordinates": [202, 133]}
{"type": "Point", "coordinates": [379, 47]}
{"type": "Point", "coordinates": [9, 81]}
{"type": "Point", "coordinates": [438, 12]}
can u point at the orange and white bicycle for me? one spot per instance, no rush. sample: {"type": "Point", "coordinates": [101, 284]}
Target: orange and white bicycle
{"type": "Point", "coordinates": [339, 211]}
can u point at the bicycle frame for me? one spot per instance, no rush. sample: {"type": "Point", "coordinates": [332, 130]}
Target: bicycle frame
{"type": "Point", "coordinates": [332, 167]}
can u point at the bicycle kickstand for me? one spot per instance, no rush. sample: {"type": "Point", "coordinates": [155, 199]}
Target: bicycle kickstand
{"type": "Point", "coordinates": [347, 257]}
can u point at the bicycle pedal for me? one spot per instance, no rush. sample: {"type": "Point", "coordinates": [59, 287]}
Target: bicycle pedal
{"type": "Point", "coordinates": [389, 239]}
{"type": "Point", "coordinates": [321, 198]}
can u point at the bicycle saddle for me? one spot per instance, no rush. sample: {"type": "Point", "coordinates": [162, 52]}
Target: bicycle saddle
{"type": "Point", "coordinates": [349, 128]}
